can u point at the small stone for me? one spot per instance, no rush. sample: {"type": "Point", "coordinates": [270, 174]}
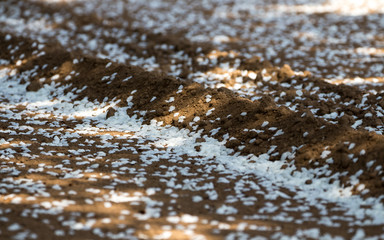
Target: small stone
{"type": "Point", "coordinates": [198, 148]}
{"type": "Point", "coordinates": [200, 140]}
{"type": "Point", "coordinates": [34, 86]}
{"type": "Point", "coordinates": [111, 112]}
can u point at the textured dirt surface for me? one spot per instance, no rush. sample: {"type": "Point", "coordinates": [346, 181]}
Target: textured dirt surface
{"type": "Point", "coordinates": [117, 121]}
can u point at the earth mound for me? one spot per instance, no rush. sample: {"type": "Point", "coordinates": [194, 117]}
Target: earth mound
{"type": "Point", "coordinates": [260, 127]}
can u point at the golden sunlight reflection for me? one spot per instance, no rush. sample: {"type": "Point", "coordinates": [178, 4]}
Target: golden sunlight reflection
{"type": "Point", "coordinates": [343, 7]}
{"type": "Point", "coordinates": [357, 81]}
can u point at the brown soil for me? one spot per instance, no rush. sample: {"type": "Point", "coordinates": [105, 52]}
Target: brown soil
{"type": "Point", "coordinates": [191, 103]}
{"type": "Point", "coordinates": [250, 123]}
